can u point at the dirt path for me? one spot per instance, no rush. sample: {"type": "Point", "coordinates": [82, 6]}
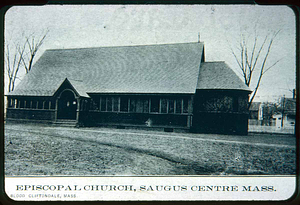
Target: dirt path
{"type": "Point", "coordinates": [185, 153]}
{"type": "Point", "coordinates": [190, 136]}
{"type": "Point", "coordinates": [269, 140]}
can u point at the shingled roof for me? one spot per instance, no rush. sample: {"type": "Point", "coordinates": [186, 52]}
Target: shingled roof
{"type": "Point", "coordinates": [218, 75]}
{"type": "Point", "coordinates": [167, 68]}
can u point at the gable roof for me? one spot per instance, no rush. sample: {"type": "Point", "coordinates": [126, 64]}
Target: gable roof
{"type": "Point", "coordinates": [218, 75]}
{"type": "Point", "coordinates": [76, 86]}
{"type": "Point", "coordinates": [168, 68]}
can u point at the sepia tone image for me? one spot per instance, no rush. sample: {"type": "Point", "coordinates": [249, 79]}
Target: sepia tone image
{"type": "Point", "coordinates": [127, 90]}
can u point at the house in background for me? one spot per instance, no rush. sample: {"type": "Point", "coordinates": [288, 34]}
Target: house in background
{"type": "Point", "coordinates": [255, 113]}
{"type": "Point", "coordinates": [168, 87]}
{"type": "Point", "coordinates": [286, 116]}
{"type": "Point", "coordinates": [261, 113]}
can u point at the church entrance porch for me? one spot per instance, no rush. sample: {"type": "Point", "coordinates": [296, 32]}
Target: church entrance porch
{"type": "Point", "coordinates": [67, 105]}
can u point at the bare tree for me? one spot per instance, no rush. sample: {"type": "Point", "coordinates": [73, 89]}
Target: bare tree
{"type": "Point", "coordinates": [22, 56]}
{"type": "Point", "coordinates": [13, 67]}
{"type": "Point", "coordinates": [33, 47]}
{"type": "Point", "coordinates": [253, 60]}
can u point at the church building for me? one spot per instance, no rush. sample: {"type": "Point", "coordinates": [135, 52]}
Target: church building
{"type": "Point", "coordinates": [166, 87]}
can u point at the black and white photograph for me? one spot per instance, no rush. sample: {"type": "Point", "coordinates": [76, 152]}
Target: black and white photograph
{"type": "Point", "coordinates": [150, 91]}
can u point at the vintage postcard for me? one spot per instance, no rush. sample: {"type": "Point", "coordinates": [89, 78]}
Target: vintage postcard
{"type": "Point", "coordinates": [150, 102]}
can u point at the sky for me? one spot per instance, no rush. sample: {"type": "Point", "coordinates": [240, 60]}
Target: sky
{"type": "Point", "coordinates": [220, 28]}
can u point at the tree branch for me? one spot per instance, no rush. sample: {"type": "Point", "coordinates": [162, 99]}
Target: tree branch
{"type": "Point", "coordinates": [271, 66]}
{"type": "Point", "coordinates": [258, 54]}
{"type": "Point", "coordinates": [262, 67]}
{"type": "Point", "coordinates": [19, 58]}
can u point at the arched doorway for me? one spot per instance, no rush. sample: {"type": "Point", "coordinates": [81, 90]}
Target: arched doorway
{"type": "Point", "coordinates": [67, 105]}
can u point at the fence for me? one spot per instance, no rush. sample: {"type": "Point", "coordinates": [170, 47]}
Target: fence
{"type": "Point", "coordinates": [271, 129]}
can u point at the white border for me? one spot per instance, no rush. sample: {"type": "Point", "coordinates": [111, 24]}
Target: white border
{"type": "Point", "coordinates": [179, 188]}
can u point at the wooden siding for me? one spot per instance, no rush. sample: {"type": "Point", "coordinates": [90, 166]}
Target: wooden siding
{"type": "Point", "coordinates": [93, 118]}
{"type": "Point", "coordinates": [221, 123]}
{"type": "Point", "coordinates": [30, 108]}
{"type": "Point", "coordinates": [220, 111]}
{"type": "Point", "coordinates": [215, 111]}
{"type": "Point", "coordinates": [140, 110]}
{"type": "Point", "coordinates": [30, 114]}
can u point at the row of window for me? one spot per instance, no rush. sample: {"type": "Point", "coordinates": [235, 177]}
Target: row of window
{"type": "Point", "coordinates": [225, 104]}
{"type": "Point", "coordinates": [116, 104]}
{"type": "Point", "coordinates": [31, 104]}
{"type": "Point", "coordinates": [141, 105]}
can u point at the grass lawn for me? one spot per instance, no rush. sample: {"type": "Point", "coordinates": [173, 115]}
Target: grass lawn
{"type": "Point", "coordinates": [36, 150]}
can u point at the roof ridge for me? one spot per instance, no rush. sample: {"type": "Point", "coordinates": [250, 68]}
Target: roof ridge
{"type": "Point", "coordinates": [214, 62]}
{"type": "Point", "coordinates": [57, 49]}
